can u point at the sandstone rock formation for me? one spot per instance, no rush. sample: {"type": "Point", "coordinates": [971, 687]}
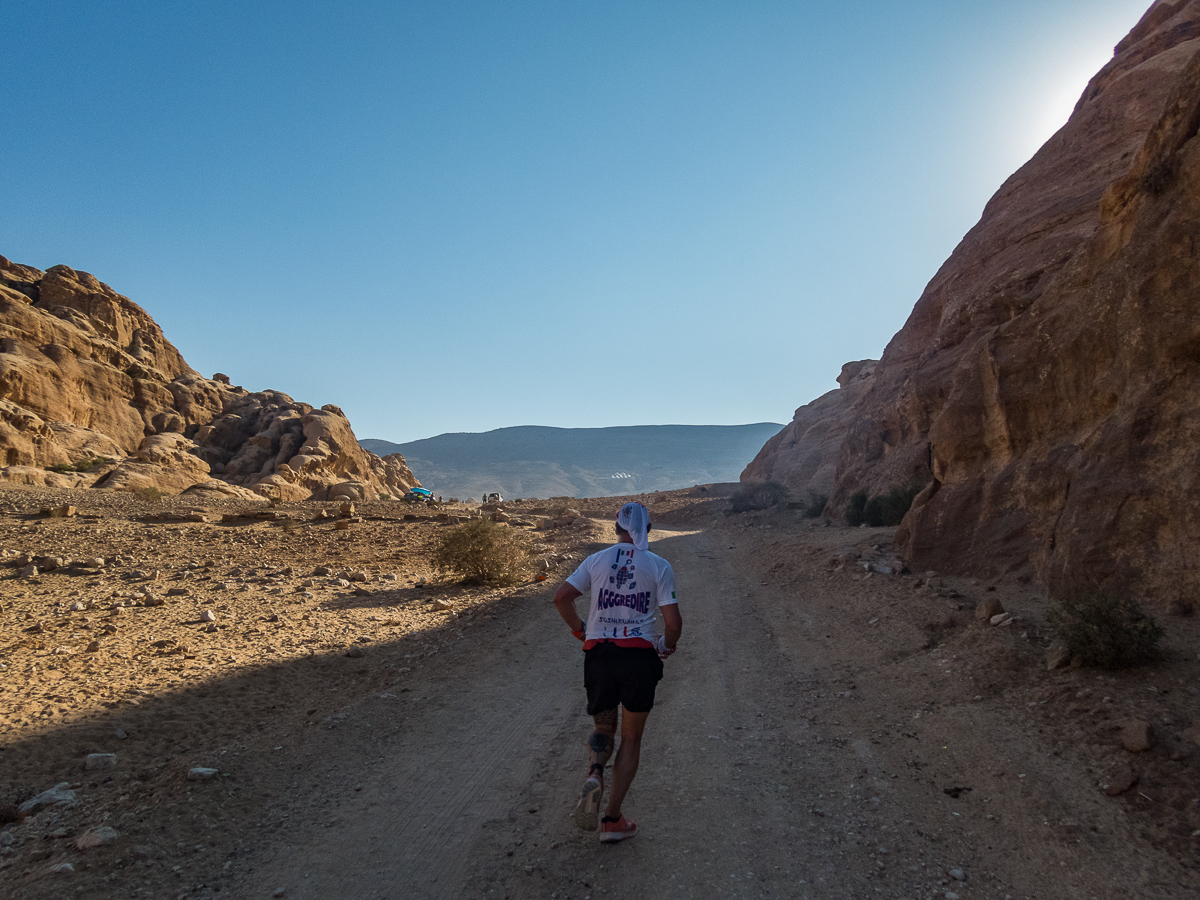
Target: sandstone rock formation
{"type": "Point", "coordinates": [88, 381]}
{"type": "Point", "coordinates": [804, 455]}
{"type": "Point", "coordinates": [1047, 382]}
{"type": "Point", "coordinates": [163, 462]}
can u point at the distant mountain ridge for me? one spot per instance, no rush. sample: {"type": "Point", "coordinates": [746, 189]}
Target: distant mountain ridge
{"type": "Point", "coordinates": [539, 461]}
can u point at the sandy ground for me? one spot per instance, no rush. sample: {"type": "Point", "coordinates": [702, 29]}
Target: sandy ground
{"type": "Point", "coordinates": [824, 730]}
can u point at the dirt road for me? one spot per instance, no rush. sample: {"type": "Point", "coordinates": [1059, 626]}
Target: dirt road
{"type": "Point", "coordinates": [825, 731]}
{"type": "Point", "coordinates": [474, 792]}
{"type": "Point", "coordinates": [797, 750]}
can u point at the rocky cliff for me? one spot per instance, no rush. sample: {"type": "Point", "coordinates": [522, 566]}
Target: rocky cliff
{"type": "Point", "coordinates": [1046, 383]}
{"type": "Point", "coordinates": [86, 376]}
{"type": "Point", "coordinates": [804, 454]}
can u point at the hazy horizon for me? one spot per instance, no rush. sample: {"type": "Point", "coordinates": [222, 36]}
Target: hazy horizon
{"type": "Point", "coordinates": [541, 461]}
{"type": "Point", "coordinates": [581, 428]}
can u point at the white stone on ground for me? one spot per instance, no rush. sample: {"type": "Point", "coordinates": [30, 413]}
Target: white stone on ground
{"type": "Point", "coordinates": [97, 761]}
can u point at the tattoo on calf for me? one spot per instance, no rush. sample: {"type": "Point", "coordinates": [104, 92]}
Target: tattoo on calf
{"type": "Point", "coordinates": [600, 748]}
{"type": "Point", "coordinates": [600, 743]}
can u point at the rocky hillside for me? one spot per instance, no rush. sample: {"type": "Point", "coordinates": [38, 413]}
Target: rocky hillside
{"type": "Point", "coordinates": [1047, 383]}
{"type": "Point", "coordinates": [93, 395]}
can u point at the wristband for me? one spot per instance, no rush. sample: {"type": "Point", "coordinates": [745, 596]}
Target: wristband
{"type": "Point", "coordinates": [578, 634]}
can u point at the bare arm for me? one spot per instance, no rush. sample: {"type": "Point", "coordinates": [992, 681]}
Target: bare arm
{"type": "Point", "coordinates": [673, 622]}
{"type": "Point", "coordinates": [564, 602]}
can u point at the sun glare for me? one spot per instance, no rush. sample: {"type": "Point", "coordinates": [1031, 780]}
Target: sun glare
{"type": "Point", "coordinates": [1051, 105]}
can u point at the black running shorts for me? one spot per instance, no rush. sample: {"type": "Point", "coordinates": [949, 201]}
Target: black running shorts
{"type": "Point", "coordinates": [624, 675]}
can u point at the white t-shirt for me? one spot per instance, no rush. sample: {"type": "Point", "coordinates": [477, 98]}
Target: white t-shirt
{"type": "Point", "coordinates": [627, 586]}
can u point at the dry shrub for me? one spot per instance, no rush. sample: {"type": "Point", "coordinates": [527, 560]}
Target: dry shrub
{"type": "Point", "coordinates": [856, 509]}
{"type": "Point", "coordinates": [483, 552]}
{"type": "Point", "coordinates": [889, 508]}
{"type": "Point", "coordinates": [816, 505]}
{"type": "Point", "coordinates": [882, 509]}
{"type": "Point", "coordinates": [758, 496]}
{"type": "Point", "coordinates": [1105, 630]}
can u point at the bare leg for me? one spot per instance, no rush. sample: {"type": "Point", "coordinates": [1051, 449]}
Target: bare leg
{"type": "Point", "coordinates": [628, 755]}
{"type": "Point", "coordinates": [600, 744]}
{"type": "Point", "coordinates": [600, 748]}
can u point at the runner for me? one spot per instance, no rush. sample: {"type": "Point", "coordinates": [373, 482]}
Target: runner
{"type": "Point", "coordinates": [623, 654]}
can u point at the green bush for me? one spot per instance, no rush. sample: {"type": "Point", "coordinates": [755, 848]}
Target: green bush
{"type": "Point", "coordinates": [759, 496]}
{"type": "Point", "coordinates": [816, 505]}
{"type": "Point", "coordinates": [882, 509]}
{"type": "Point", "coordinates": [483, 552]}
{"type": "Point", "coordinates": [81, 466]}
{"type": "Point", "coordinates": [889, 508]}
{"type": "Point", "coordinates": [855, 509]}
{"type": "Point", "coordinates": [1105, 630]}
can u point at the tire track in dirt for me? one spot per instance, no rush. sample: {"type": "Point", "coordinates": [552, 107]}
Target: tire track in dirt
{"type": "Point", "coordinates": [430, 836]}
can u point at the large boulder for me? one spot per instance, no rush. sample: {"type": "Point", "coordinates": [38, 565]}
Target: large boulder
{"type": "Point", "coordinates": [211, 490]}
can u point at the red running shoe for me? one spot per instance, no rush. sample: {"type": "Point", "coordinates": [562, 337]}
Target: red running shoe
{"type": "Point", "coordinates": [611, 832]}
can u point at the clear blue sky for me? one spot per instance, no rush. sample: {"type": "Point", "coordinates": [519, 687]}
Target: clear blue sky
{"type": "Point", "coordinates": [457, 216]}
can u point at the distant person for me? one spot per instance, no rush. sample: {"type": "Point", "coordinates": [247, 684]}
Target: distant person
{"type": "Point", "coordinates": [623, 657]}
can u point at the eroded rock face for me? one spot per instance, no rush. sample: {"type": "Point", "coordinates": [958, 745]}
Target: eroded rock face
{"type": "Point", "coordinates": [1065, 443]}
{"type": "Point", "coordinates": [1045, 384]}
{"type": "Point", "coordinates": [86, 374]}
{"type": "Point", "coordinates": [164, 462]}
{"type": "Point", "coordinates": [804, 455]}
{"type": "Point", "coordinates": [1096, 478]}
{"type": "Point", "coordinates": [291, 451]}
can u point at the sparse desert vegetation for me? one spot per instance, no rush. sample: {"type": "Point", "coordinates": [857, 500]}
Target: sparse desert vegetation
{"type": "Point", "coordinates": [335, 659]}
{"type": "Point", "coordinates": [882, 510]}
{"type": "Point", "coordinates": [483, 552]}
{"type": "Point", "coordinates": [762, 495]}
{"type": "Point", "coordinates": [1106, 629]}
